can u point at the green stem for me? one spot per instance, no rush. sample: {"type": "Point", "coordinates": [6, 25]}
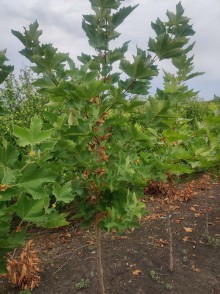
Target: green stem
{"type": "Point", "coordinates": [26, 165]}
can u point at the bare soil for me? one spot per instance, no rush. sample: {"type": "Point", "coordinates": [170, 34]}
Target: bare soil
{"type": "Point", "coordinates": [137, 261]}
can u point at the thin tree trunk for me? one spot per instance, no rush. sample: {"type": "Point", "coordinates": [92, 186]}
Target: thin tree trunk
{"type": "Point", "coordinates": [170, 234]}
{"type": "Point", "coordinates": [206, 213]}
{"type": "Point", "coordinates": [99, 260]}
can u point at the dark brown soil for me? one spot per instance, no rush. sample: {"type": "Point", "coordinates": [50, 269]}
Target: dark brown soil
{"type": "Point", "coordinates": [137, 261]}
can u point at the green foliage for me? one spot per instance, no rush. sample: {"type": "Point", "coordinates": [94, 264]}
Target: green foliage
{"type": "Point", "coordinates": [32, 136]}
{"type": "Point", "coordinates": [5, 70]}
{"type": "Point", "coordinates": [82, 284]}
{"type": "Point", "coordinates": [121, 214]}
{"type": "Point", "coordinates": [196, 111]}
{"type": "Point", "coordinates": [96, 143]}
{"type": "Point", "coordinates": [20, 101]}
{"type": "Point", "coordinates": [216, 99]}
{"type": "Point", "coordinates": [171, 35]}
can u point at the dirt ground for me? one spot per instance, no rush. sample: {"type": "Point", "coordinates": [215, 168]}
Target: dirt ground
{"type": "Point", "coordinates": [138, 261]}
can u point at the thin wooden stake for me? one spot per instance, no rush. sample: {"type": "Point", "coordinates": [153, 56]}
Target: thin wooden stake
{"type": "Point", "coordinates": [99, 260]}
{"type": "Point", "coordinates": [170, 234]}
{"type": "Point", "coordinates": [206, 207]}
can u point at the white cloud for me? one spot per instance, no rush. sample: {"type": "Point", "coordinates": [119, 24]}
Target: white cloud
{"type": "Point", "coordinates": [61, 24]}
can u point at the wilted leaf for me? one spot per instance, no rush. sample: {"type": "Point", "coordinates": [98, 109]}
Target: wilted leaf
{"type": "Point", "coordinates": [179, 220]}
{"type": "Point", "coordinates": [136, 272]}
{"type": "Point", "coordinates": [161, 242]}
{"type": "Point", "coordinates": [197, 214]}
{"type": "Point", "coordinates": [132, 265]}
{"type": "Point", "coordinates": [196, 269]}
{"type": "Point", "coordinates": [90, 242]}
{"type": "Point", "coordinates": [153, 216]}
{"type": "Point", "coordinates": [186, 239]}
{"type": "Point", "coordinates": [68, 235]}
{"type": "Point", "coordinates": [188, 230]}
{"type": "Point", "coordinates": [119, 237]}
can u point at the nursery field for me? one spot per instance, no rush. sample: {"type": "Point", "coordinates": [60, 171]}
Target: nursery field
{"type": "Point", "coordinates": [105, 188]}
{"type": "Point", "coordinates": [138, 260]}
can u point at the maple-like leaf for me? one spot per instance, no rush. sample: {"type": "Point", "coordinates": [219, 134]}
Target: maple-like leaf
{"type": "Point", "coordinates": [33, 135]}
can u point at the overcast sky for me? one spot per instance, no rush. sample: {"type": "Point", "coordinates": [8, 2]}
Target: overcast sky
{"type": "Point", "coordinates": [61, 20]}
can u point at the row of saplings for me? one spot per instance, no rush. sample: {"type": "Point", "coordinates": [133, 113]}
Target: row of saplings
{"type": "Point", "coordinates": [25, 269]}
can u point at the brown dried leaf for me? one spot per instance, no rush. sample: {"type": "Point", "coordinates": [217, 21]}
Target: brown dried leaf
{"type": "Point", "coordinates": [24, 272]}
{"type": "Point", "coordinates": [68, 235]}
{"type": "Point", "coordinates": [153, 216]}
{"type": "Point", "coordinates": [3, 187]}
{"type": "Point", "coordinates": [136, 272]}
{"type": "Point", "coordinates": [90, 242]}
{"type": "Point", "coordinates": [161, 242]}
{"type": "Point", "coordinates": [132, 265]}
{"type": "Point", "coordinates": [188, 230]}
{"type": "Point", "coordinates": [119, 237]}
{"type": "Point", "coordinates": [197, 214]}
{"type": "Point", "coordinates": [18, 229]}
{"type": "Point", "coordinates": [196, 269]}
{"type": "Point", "coordinates": [186, 239]}
{"type": "Point", "coordinates": [179, 220]}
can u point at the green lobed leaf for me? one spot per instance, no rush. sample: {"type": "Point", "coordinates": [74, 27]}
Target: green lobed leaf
{"type": "Point", "coordinates": [117, 53]}
{"type": "Point", "coordinates": [141, 68]}
{"type": "Point", "coordinates": [33, 135]}
{"type": "Point", "coordinates": [121, 14]}
{"type": "Point", "coordinates": [63, 193]}
{"type": "Point", "coordinates": [7, 175]}
{"type": "Point", "coordinates": [90, 89]}
{"type": "Point", "coordinates": [33, 178]}
{"type": "Point", "coordinates": [51, 59]}
{"type": "Point", "coordinates": [54, 220]}
{"type": "Point", "coordinates": [30, 36]}
{"type": "Point", "coordinates": [8, 155]}
{"type": "Point", "coordinates": [28, 209]}
{"type": "Point", "coordinates": [135, 86]}
{"type": "Point", "coordinates": [114, 4]}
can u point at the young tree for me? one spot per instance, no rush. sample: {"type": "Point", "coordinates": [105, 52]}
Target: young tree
{"type": "Point", "coordinates": [89, 151]}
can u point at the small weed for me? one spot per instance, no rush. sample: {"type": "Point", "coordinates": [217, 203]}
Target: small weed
{"type": "Point", "coordinates": [82, 284]}
{"type": "Point", "coordinates": [168, 286]}
{"type": "Point", "coordinates": [184, 251]}
{"type": "Point", "coordinates": [185, 257]}
{"type": "Point", "coordinates": [92, 274]}
{"type": "Point", "coordinates": [91, 247]}
{"type": "Point", "coordinates": [154, 276]}
{"type": "Point", "coordinates": [211, 241]}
